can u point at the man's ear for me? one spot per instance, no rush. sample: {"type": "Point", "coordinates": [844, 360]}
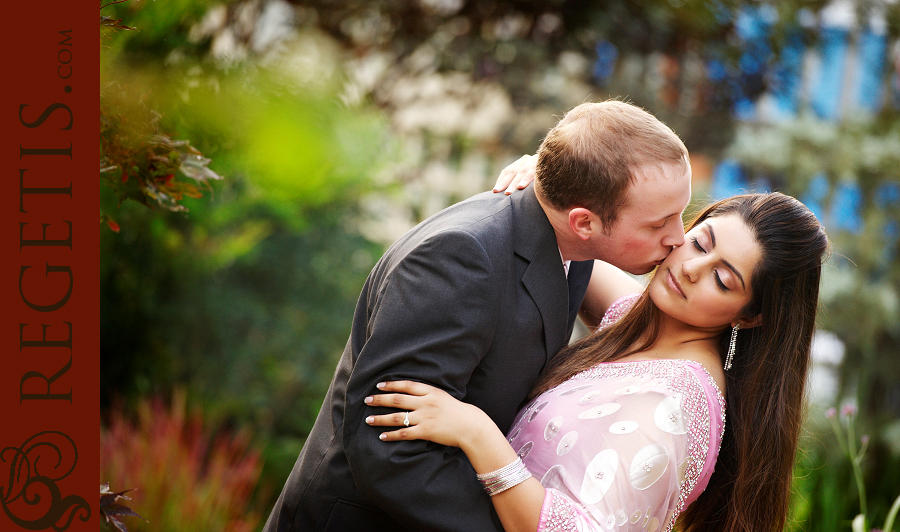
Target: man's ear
{"type": "Point", "coordinates": [583, 222]}
{"type": "Point", "coordinates": [749, 323]}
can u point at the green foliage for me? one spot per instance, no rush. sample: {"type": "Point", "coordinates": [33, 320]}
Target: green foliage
{"type": "Point", "coordinates": [192, 477]}
{"type": "Point", "coordinates": [245, 282]}
{"type": "Point", "coordinates": [245, 300]}
{"type": "Point", "coordinates": [138, 161]}
{"type": "Point", "coordinates": [832, 482]}
{"type": "Point", "coordinates": [821, 499]}
{"type": "Point", "coordinates": [251, 323]}
{"type": "Point", "coordinates": [162, 25]}
{"type": "Point", "coordinates": [295, 144]}
{"type": "Point", "coordinates": [865, 150]}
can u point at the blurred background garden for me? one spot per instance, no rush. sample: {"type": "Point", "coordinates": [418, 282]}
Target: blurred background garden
{"type": "Point", "coordinates": [259, 155]}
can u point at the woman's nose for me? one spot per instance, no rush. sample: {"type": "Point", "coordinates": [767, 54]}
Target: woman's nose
{"type": "Point", "coordinates": [691, 269]}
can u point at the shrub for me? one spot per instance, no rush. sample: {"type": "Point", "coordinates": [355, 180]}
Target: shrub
{"type": "Point", "coordinates": [187, 477]}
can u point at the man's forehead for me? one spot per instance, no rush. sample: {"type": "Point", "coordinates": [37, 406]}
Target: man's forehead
{"type": "Point", "coordinates": [654, 202]}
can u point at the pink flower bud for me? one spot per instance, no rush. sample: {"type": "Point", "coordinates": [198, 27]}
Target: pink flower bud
{"type": "Point", "coordinates": [831, 413]}
{"type": "Point", "coordinates": [848, 409]}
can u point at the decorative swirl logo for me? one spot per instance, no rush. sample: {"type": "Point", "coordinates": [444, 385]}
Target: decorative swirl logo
{"type": "Point", "coordinates": [33, 476]}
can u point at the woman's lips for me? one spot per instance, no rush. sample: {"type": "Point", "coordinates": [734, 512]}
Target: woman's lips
{"type": "Point", "coordinates": [673, 284]}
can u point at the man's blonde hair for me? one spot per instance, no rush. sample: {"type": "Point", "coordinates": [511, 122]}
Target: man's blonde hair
{"type": "Point", "coordinates": [592, 155]}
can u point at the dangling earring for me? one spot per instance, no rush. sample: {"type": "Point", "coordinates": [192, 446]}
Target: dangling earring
{"type": "Point", "coordinates": [731, 346]}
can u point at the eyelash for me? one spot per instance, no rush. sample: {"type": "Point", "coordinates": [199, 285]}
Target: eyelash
{"type": "Point", "coordinates": [719, 282]}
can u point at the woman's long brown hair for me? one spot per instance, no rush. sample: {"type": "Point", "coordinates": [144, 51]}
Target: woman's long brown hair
{"type": "Point", "coordinates": [765, 387]}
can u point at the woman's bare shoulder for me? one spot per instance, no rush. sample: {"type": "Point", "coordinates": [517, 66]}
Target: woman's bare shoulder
{"type": "Point", "coordinates": [711, 362]}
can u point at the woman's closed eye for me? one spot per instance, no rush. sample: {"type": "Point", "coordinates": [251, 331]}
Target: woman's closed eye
{"type": "Point", "coordinates": [697, 245]}
{"type": "Point", "coordinates": [719, 282]}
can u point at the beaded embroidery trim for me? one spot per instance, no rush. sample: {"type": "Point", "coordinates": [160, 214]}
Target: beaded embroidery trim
{"type": "Point", "coordinates": [561, 517]}
{"type": "Point", "coordinates": [617, 310]}
{"type": "Point", "coordinates": [682, 380]}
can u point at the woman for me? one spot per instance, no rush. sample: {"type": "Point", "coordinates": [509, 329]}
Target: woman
{"type": "Point", "coordinates": [627, 425]}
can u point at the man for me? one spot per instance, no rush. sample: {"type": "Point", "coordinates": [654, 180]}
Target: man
{"type": "Point", "coordinates": [476, 300]}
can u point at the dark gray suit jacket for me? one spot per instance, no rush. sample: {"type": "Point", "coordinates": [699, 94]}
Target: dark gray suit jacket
{"type": "Point", "coordinates": [473, 300]}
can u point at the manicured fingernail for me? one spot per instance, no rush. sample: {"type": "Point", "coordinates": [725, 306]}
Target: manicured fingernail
{"type": "Point", "coordinates": [369, 399]}
{"type": "Point", "coordinates": [380, 385]}
{"type": "Point", "coordinates": [370, 420]}
{"type": "Point", "coordinates": [382, 436]}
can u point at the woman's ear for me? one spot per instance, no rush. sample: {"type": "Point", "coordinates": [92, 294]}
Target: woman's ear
{"type": "Point", "coordinates": [582, 222]}
{"type": "Point", "coordinates": [749, 323]}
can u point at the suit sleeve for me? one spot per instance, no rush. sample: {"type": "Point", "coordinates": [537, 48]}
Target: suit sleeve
{"type": "Point", "coordinates": [433, 321]}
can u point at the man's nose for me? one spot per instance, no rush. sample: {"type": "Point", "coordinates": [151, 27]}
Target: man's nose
{"type": "Point", "coordinates": [674, 237]}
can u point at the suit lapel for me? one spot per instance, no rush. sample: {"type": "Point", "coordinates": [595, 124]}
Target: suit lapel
{"type": "Point", "coordinates": [544, 278]}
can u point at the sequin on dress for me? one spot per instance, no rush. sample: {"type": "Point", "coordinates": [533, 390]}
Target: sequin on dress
{"type": "Point", "coordinates": [623, 445]}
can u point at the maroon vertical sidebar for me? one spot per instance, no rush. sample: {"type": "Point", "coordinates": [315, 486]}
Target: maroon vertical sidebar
{"type": "Point", "coordinates": [49, 271]}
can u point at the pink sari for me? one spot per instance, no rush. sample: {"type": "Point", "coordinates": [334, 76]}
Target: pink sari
{"type": "Point", "coordinates": [623, 445]}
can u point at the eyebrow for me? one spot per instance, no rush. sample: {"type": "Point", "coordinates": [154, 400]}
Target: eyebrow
{"type": "Point", "coordinates": [712, 237]}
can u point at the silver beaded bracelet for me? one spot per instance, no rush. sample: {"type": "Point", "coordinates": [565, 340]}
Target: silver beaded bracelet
{"type": "Point", "coordinates": [505, 477]}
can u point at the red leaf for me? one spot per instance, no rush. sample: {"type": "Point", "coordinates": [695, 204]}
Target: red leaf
{"type": "Point", "coordinates": [111, 509]}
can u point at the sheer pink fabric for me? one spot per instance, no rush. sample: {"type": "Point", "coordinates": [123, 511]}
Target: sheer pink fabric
{"type": "Point", "coordinates": [624, 445]}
